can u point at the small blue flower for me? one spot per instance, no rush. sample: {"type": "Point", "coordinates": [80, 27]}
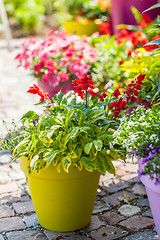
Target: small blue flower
{"type": "Point", "coordinates": [150, 155]}
{"type": "Point", "coordinates": [140, 174]}
{"type": "Point", "coordinates": [157, 181]}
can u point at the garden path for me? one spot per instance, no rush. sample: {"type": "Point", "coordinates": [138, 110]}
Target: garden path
{"type": "Point", "coordinates": [121, 210]}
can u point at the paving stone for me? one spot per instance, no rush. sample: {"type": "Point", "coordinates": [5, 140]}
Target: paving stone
{"type": "Point", "coordinates": [117, 163]}
{"type": "Point", "coordinates": [16, 175]}
{"type": "Point", "coordinates": [5, 168]}
{"type": "Point", "coordinates": [1, 237]}
{"type": "Point", "coordinates": [112, 218]}
{"type": "Point", "coordinates": [95, 224]}
{"type": "Point", "coordinates": [139, 189]}
{"type": "Point", "coordinates": [116, 187]}
{"type": "Point", "coordinates": [136, 223]}
{"type": "Point", "coordinates": [112, 233]}
{"type": "Point", "coordinates": [129, 167]}
{"type": "Point", "coordinates": [6, 211]}
{"type": "Point", "coordinates": [10, 224]}
{"type": "Point", "coordinates": [100, 206]}
{"type": "Point", "coordinates": [26, 235]}
{"type": "Point", "coordinates": [129, 210]}
{"type": "Point", "coordinates": [24, 207]}
{"type": "Point", "coordinates": [105, 177]}
{"type": "Point", "coordinates": [113, 199]}
{"type": "Point", "coordinates": [143, 202]}
{"type": "Point", "coordinates": [120, 172]}
{"type": "Point", "coordinates": [132, 178]}
{"type": "Point", "coordinates": [109, 183]}
{"type": "Point", "coordinates": [148, 213]}
{"type": "Point", "coordinates": [54, 235]}
{"type": "Point", "coordinates": [8, 187]}
{"type": "Point", "coordinates": [78, 238]}
{"type": "Point", "coordinates": [5, 156]}
{"type": "Point", "coordinates": [31, 221]}
{"type": "Point", "coordinates": [14, 197]}
{"type": "Point", "coordinates": [146, 235]}
{"type": "Point", "coordinates": [4, 178]}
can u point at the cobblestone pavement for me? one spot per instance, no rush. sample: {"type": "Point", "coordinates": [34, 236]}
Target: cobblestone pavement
{"type": "Point", "coordinates": [121, 210]}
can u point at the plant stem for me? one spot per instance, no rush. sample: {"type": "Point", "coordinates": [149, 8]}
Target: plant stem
{"type": "Point", "coordinates": [86, 98]}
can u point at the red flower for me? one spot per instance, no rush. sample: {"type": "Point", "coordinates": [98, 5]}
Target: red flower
{"type": "Point", "coordinates": [60, 237]}
{"type": "Point", "coordinates": [36, 90]}
{"type": "Point", "coordinates": [104, 234]}
{"type": "Point", "coordinates": [104, 28]}
{"type": "Point", "coordinates": [146, 18]}
{"type": "Point", "coordinates": [121, 62]}
{"type": "Point", "coordinates": [140, 78]}
{"type": "Point", "coordinates": [148, 226]}
{"type": "Point", "coordinates": [116, 93]}
{"type": "Point", "coordinates": [133, 99]}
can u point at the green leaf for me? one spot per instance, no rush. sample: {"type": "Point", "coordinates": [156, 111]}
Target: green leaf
{"type": "Point", "coordinates": [88, 164]}
{"type": "Point", "coordinates": [153, 7]}
{"type": "Point", "coordinates": [98, 144]}
{"type": "Point", "coordinates": [23, 143]}
{"type": "Point", "coordinates": [154, 42]}
{"type": "Point", "coordinates": [136, 14]}
{"type": "Point", "coordinates": [30, 115]}
{"type": "Point", "coordinates": [69, 115]}
{"type": "Point", "coordinates": [71, 135]}
{"type": "Point", "coordinates": [88, 147]}
{"type": "Point", "coordinates": [109, 166]}
{"type": "Point", "coordinates": [50, 157]}
{"type": "Point", "coordinates": [101, 163]}
{"type": "Point", "coordinates": [66, 162]}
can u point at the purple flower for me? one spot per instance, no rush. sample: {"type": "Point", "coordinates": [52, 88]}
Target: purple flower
{"type": "Point", "coordinates": [35, 121]}
{"type": "Point", "coordinates": [157, 181]}
{"type": "Point", "coordinates": [150, 155]}
{"type": "Point", "coordinates": [159, 157]}
{"type": "Point", "coordinates": [140, 174]}
{"type": "Point", "coordinates": [145, 159]}
{"type": "Point", "coordinates": [155, 150]}
{"type": "Point", "coordinates": [143, 148]}
{"type": "Point", "coordinates": [135, 152]}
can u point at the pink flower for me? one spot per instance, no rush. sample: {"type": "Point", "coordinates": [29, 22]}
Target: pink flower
{"type": "Point", "coordinates": [51, 66]}
{"type": "Point", "coordinates": [53, 81]}
{"type": "Point", "coordinates": [37, 68]}
{"type": "Point", "coordinates": [76, 60]}
{"type": "Point", "coordinates": [62, 76]}
{"type": "Point", "coordinates": [45, 77]}
{"type": "Point", "coordinates": [35, 52]}
{"type": "Point", "coordinates": [91, 57]}
{"type": "Point", "coordinates": [64, 62]}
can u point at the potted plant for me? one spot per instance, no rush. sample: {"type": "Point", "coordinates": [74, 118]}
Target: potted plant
{"type": "Point", "coordinates": [140, 133]}
{"type": "Point", "coordinates": [62, 153]}
{"type": "Point", "coordinates": [56, 60]}
{"type": "Point", "coordinates": [80, 17]}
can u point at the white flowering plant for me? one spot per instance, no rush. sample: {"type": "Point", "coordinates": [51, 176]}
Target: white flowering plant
{"type": "Point", "coordinates": [140, 133]}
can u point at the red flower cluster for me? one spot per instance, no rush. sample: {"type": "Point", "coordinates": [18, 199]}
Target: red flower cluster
{"type": "Point", "coordinates": [131, 93]}
{"type": "Point", "coordinates": [36, 90]}
{"type": "Point", "coordinates": [84, 86]}
{"type": "Point", "coordinates": [133, 87]}
{"type": "Point", "coordinates": [135, 37]}
{"type": "Point", "coordinates": [152, 46]}
{"type": "Point", "coordinates": [145, 21]}
{"type": "Point", "coordinates": [104, 28]}
{"type": "Point", "coordinates": [118, 106]}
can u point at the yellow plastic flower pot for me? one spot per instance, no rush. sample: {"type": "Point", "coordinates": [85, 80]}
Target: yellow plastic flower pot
{"type": "Point", "coordinates": [80, 28]}
{"type": "Point", "coordinates": [63, 201]}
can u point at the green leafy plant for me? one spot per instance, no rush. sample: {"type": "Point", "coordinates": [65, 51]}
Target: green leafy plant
{"type": "Point", "coordinates": [77, 132]}
{"type": "Point", "coordinates": [27, 13]}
